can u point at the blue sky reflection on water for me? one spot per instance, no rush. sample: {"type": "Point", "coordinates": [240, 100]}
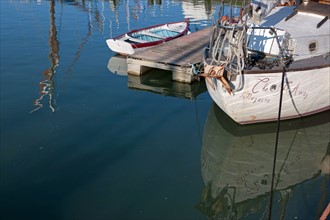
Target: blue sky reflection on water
{"type": "Point", "coordinates": [80, 139]}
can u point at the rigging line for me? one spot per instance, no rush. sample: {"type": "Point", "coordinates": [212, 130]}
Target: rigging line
{"type": "Point", "coordinates": [276, 143]}
{"type": "Point", "coordinates": [287, 156]}
{"type": "Point", "coordinates": [197, 118]}
{"type": "Point", "coordinates": [278, 124]}
{"type": "Point", "coordinates": [82, 43]}
{"type": "Point", "coordinates": [61, 17]}
{"type": "Point", "coordinates": [198, 125]}
{"type": "Point", "coordinates": [78, 52]}
{"type": "Point", "coordinates": [284, 162]}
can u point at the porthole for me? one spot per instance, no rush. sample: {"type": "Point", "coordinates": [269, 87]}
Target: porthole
{"type": "Point", "coordinates": [313, 47]}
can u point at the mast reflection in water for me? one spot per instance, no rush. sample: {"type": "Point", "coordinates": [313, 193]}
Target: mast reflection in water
{"type": "Point", "coordinates": [47, 86]}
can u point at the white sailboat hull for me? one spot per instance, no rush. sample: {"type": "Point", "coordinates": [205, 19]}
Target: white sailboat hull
{"type": "Point", "coordinates": [278, 40]}
{"type": "Point", "coordinates": [304, 93]}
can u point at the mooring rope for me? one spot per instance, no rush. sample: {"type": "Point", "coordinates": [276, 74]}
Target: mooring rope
{"type": "Point", "coordinates": [278, 127]}
{"type": "Point", "coordinates": [326, 213]}
{"type": "Point", "coordinates": [227, 48]}
{"type": "Point", "coordinates": [276, 145]}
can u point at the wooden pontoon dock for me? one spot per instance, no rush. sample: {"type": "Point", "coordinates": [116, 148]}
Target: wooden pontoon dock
{"type": "Point", "coordinates": [177, 56]}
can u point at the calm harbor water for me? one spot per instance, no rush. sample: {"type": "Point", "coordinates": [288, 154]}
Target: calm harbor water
{"type": "Point", "coordinates": [81, 139]}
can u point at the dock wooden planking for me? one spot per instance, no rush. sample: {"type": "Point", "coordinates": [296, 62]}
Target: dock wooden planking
{"type": "Point", "coordinates": [177, 56]}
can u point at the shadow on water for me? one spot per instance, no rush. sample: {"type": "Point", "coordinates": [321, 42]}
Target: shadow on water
{"type": "Point", "coordinates": [156, 81]}
{"type": "Point", "coordinates": [236, 164]}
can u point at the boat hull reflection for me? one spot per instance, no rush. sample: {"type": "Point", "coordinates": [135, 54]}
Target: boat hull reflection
{"type": "Point", "coordinates": [237, 165]}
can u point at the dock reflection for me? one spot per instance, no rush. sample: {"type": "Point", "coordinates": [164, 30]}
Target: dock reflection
{"type": "Point", "coordinates": [156, 81]}
{"type": "Point", "coordinates": [237, 167]}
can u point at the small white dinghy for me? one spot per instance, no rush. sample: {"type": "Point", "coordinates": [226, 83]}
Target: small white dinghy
{"type": "Point", "coordinates": [129, 43]}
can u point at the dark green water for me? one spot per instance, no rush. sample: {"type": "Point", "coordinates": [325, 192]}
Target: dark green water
{"type": "Point", "coordinates": [80, 139]}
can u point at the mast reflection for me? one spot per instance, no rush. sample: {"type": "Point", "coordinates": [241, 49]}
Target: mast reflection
{"type": "Point", "coordinates": [98, 21]}
{"type": "Point", "coordinates": [47, 86]}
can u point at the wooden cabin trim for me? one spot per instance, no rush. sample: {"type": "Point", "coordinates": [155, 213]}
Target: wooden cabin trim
{"type": "Point", "coordinates": [315, 8]}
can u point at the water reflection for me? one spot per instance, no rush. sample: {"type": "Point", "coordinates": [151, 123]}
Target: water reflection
{"type": "Point", "coordinates": [96, 18]}
{"type": "Point", "coordinates": [47, 86]}
{"type": "Point", "coordinates": [157, 81]}
{"type": "Point", "coordinates": [237, 165]}
{"type": "Point", "coordinates": [118, 65]}
{"type": "Point", "coordinates": [198, 12]}
{"type": "Point", "coordinates": [154, 2]}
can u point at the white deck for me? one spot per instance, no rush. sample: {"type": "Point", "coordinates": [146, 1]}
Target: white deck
{"type": "Point", "coordinates": [305, 34]}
